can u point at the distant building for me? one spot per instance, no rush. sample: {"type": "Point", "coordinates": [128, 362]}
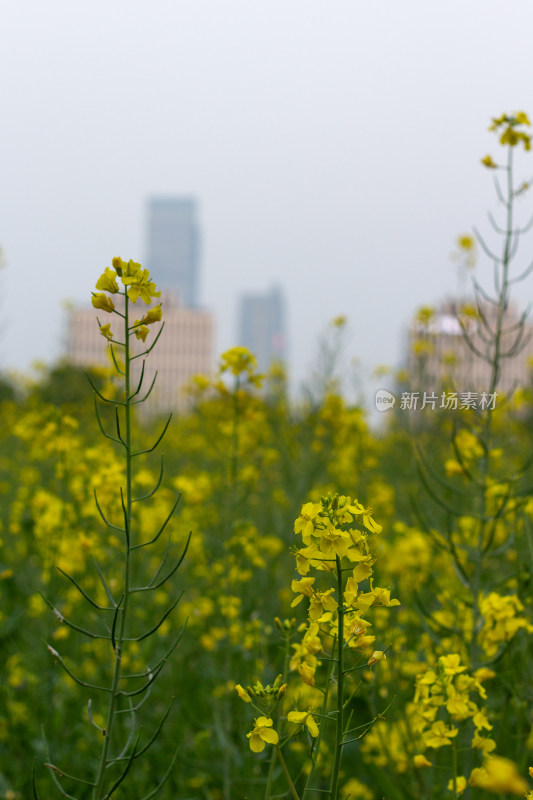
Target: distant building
{"type": "Point", "coordinates": [184, 349]}
{"type": "Point", "coordinates": [262, 327]}
{"type": "Point", "coordinates": [439, 353]}
{"type": "Point", "coordinates": [174, 246]}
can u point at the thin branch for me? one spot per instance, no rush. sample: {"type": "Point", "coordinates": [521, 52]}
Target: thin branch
{"type": "Point", "coordinates": [485, 247]}
{"type": "Point", "coordinates": [148, 393]}
{"type": "Point", "coordinates": [174, 568]}
{"type": "Point", "coordinates": [106, 521]}
{"type": "Point", "coordinates": [165, 657]}
{"type": "Point", "coordinates": [101, 396]}
{"type": "Point", "coordinates": [33, 782]}
{"type": "Point", "coordinates": [71, 624]}
{"type": "Point", "coordinates": [82, 591]}
{"type": "Point", "coordinates": [107, 435]}
{"type": "Point", "coordinates": [126, 770]}
{"type": "Point", "coordinates": [115, 362]}
{"type": "Point", "coordinates": [114, 625]}
{"type": "Point", "coordinates": [77, 680]}
{"type": "Point", "coordinates": [479, 289]}
{"type": "Point", "coordinates": [117, 425]}
{"type": "Point", "coordinates": [104, 583]}
{"type": "Point", "coordinates": [151, 449]}
{"type": "Point", "coordinates": [164, 778]}
{"type": "Point", "coordinates": [149, 350]}
{"type": "Point", "coordinates": [165, 523]}
{"type": "Point", "coordinates": [499, 192]}
{"type": "Point", "coordinates": [62, 774]}
{"type": "Point", "coordinates": [141, 379]}
{"type": "Point", "coordinates": [145, 686]}
{"type": "Point", "coordinates": [154, 490]}
{"type": "Point", "coordinates": [156, 627]}
{"type": "Point", "coordinates": [126, 520]}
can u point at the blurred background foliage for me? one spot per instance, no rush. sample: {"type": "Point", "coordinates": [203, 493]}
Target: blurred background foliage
{"type": "Point", "coordinates": [244, 460]}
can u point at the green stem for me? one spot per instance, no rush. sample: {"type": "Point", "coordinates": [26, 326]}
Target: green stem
{"type": "Point", "coordinates": [320, 732]}
{"type": "Point", "coordinates": [454, 767]}
{"type": "Point", "coordinates": [286, 771]}
{"type": "Point", "coordinates": [98, 792]}
{"type": "Point", "coordinates": [286, 656]}
{"type": "Point", "coordinates": [486, 432]}
{"type": "Point", "coordinates": [339, 733]}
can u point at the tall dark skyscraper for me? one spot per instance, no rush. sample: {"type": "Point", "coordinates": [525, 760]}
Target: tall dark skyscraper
{"type": "Point", "coordinates": [262, 327]}
{"type": "Point", "coordinates": [174, 245]}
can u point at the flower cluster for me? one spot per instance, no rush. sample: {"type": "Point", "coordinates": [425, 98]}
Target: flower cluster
{"type": "Point", "coordinates": [335, 531]}
{"type": "Point", "coordinates": [444, 702]}
{"type": "Point", "coordinates": [507, 128]}
{"type": "Point", "coordinates": [137, 285]}
{"type": "Point", "coordinates": [265, 699]}
{"type": "Point", "coordinates": [502, 619]}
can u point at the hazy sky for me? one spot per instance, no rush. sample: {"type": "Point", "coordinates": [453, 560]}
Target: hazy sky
{"type": "Point", "coordinates": [333, 146]}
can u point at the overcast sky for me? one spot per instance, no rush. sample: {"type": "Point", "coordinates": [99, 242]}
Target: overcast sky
{"type": "Point", "coordinates": [333, 147]}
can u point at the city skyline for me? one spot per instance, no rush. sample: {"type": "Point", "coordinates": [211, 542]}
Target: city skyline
{"type": "Point", "coordinates": [173, 246]}
{"type": "Point", "coordinates": [262, 326]}
{"type": "Point", "coordinates": [335, 150]}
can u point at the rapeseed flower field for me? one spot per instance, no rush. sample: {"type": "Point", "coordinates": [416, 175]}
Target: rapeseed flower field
{"type": "Point", "coordinates": [286, 603]}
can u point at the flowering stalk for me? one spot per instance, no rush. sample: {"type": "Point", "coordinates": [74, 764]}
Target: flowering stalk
{"type": "Point", "coordinates": [334, 533]}
{"type": "Point", "coordinates": [115, 760]}
{"type": "Point", "coordinates": [339, 729]}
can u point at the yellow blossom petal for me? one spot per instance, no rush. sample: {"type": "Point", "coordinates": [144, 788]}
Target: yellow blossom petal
{"type": "Point", "coordinates": [103, 301]}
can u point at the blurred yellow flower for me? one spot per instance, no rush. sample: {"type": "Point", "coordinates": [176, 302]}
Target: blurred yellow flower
{"type": "Point", "coordinates": [107, 281]}
{"type": "Point", "coordinates": [243, 694]}
{"type": "Point", "coordinates": [499, 775]}
{"type": "Point", "coordinates": [304, 718]}
{"type": "Point", "coordinates": [489, 163]}
{"type": "Point", "coordinates": [377, 655]}
{"type": "Point", "coordinates": [153, 315]}
{"type": "Point", "coordinates": [460, 784]}
{"type": "Point", "coordinates": [103, 301]}
{"type": "Point", "coordinates": [141, 331]}
{"type": "Point", "coordinates": [466, 242]}
{"type": "Point", "coordinates": [106, 331]}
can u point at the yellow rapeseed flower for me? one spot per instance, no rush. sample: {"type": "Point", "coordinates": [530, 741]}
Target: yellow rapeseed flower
{"type": "Point", "coordinates": [460, 784]}
{"type": "Point", "coordinates": [499, 775]}
{"type": "Point", "coordinates": [304, 587]}
{"type": "Point", "coordinates": [243, 694]}
{"type": "Point", "coordinates": [106, 331]}
{"type": "Point", "coordinates": [420, 761]}
{"type": "Point", "coordinates": [141, 331]}
{"type": "Point", "coordinates": [237, 360]}
{"type": "Point", "coordinates": [377, 655]}
{"type": "Point", "coordinates": [304, 718]}
{"type": "Point", "coordinates": [489, 163]}
{"type": "Point", "coordinates": [107, 281]}
{"type": "Point", "coordinates": [262, 732]}
{"type": "Point", "coordinates": [153, 315]}
{"type": "Point", "coordinates": [307, 673]}
{"type": "Point", "coordinates": [103, 301]}
{"type": "Point", "coordinates": [304, 524]}
{"type": "Point", "coordinates": [140, 286]}
{"type": "Point", "coordinates": [466, 242]}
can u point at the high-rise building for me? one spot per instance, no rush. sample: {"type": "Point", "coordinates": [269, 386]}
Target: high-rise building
{"type": "Point", "coordinates": [174, 246]}
{"type": "Point", "coordinates": [262, 326]}
{"type": "Point", "coordinates": [184, 349]}
{"type": "Point", "coordinates": [440, 353]}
